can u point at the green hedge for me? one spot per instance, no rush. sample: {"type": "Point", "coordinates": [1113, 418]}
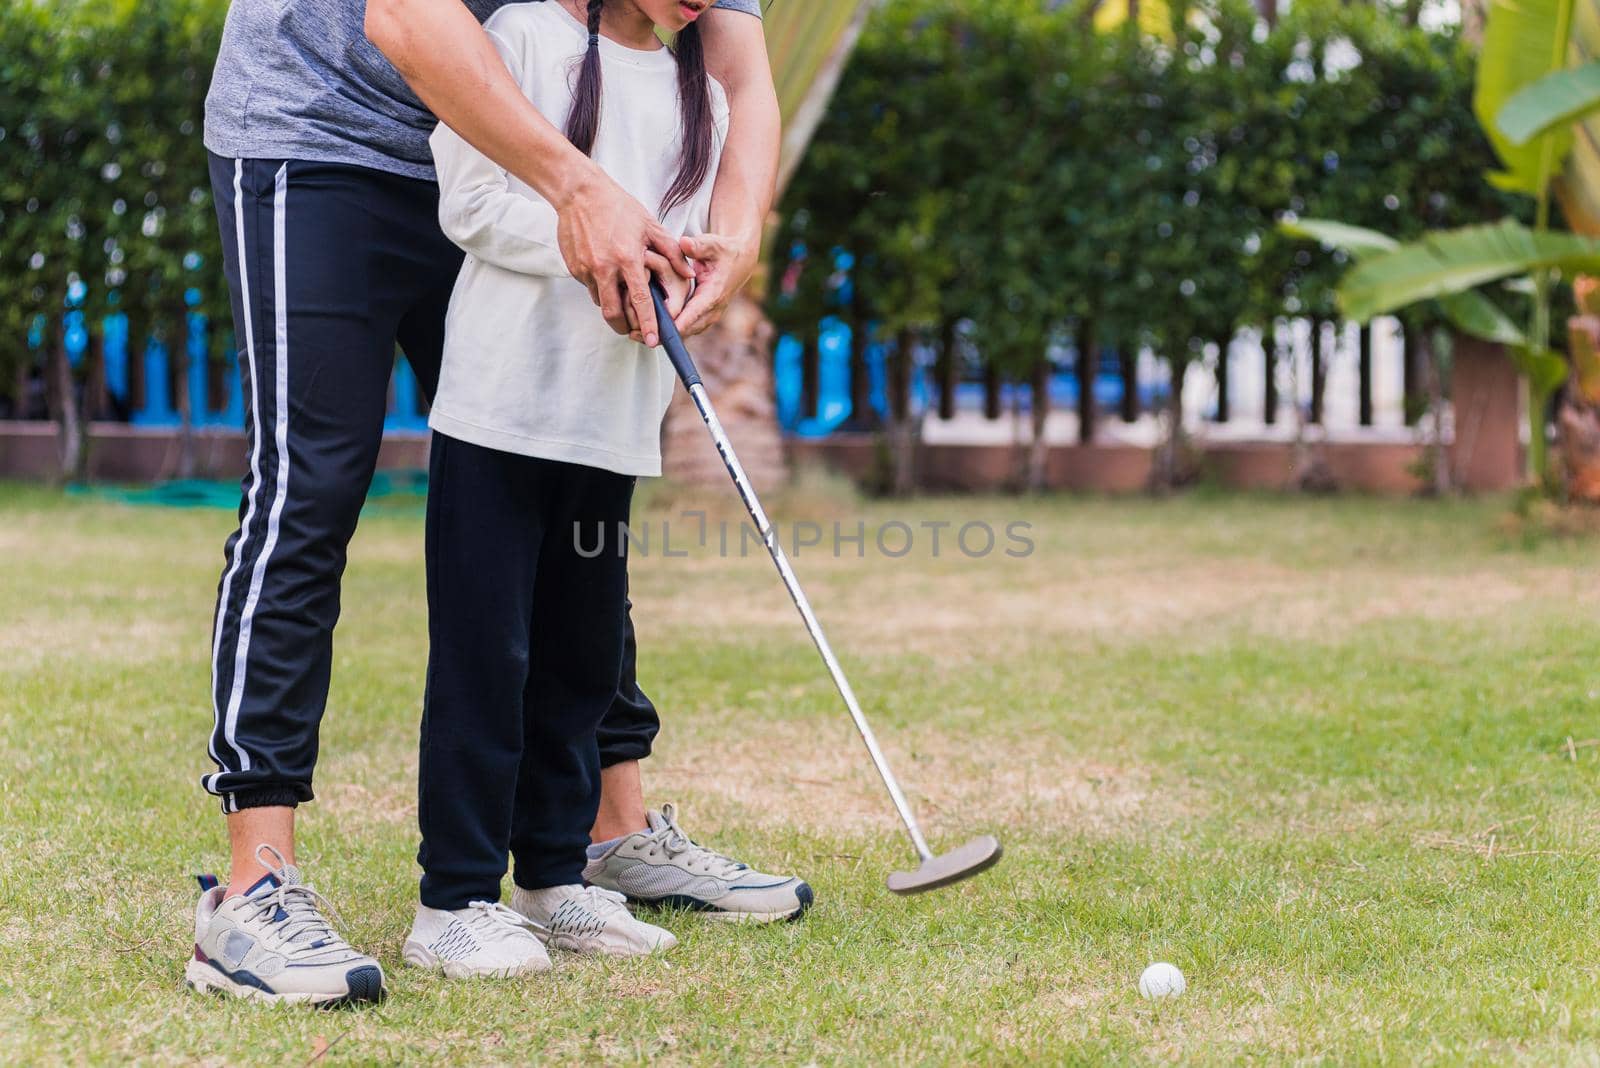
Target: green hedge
{"type": "Point", "coordinates": [102, 171]}
{"type": "Point", "coordinates": [987, 160]}
{"type": "Point", "coordinates": [1006, 164]}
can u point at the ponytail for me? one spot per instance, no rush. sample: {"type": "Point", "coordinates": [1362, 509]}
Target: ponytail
{"type": "Point", "coordinates": [584, 122]}
{"type": "Point", "coordinates": [694, 102]}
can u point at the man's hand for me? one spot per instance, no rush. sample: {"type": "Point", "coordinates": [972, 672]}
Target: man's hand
{"type": "Point", "coordinates": [605, 236]}
{"type": "Point", "coordinates": [671, 277]}
{"type": "Point", "coordinates": [722, 265]}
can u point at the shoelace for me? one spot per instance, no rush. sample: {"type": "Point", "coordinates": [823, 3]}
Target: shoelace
{"type": "Point", "coordinates": [493, 919]}
{"type": "Point", "coordinates": [302, 915]}
{"type": "Point", "coordinates": [300, 905]}
{"type": "Point", "coordinates": [601, 901]}
{"type": "Point", "coordinates": [677, 844]}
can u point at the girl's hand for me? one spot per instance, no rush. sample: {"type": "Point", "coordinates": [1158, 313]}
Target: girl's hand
{"type": "Point", "coordinates": [672, 280]}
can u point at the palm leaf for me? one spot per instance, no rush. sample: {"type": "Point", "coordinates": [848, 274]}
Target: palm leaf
{"type": "Point", "coordinates": [1558, 99]}
{"type": "Point", "coordinates": [1455, 261]}
{"type": "Point", "coordinates": [809, 42]}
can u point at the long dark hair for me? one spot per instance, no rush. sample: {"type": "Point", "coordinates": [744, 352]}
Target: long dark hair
{"type": "Point", "coordinates": [694, 101]}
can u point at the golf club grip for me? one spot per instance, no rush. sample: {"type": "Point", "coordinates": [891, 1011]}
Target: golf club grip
{"type": "Point", "coordinates": [671, 340]}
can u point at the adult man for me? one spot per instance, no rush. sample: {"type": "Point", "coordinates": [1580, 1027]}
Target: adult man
{"type": "Point", "coordinates": [317, 122]}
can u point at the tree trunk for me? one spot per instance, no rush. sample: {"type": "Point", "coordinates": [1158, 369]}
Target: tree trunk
{"type": "Point", "coordinates": [95, 403]}
{"type": "Point", "coordinates": [862, 414]}
{"type": "Point", "coordinates": [1269, 396]}
{"type": "Point", "coordinates": [1319, 369]}
{"type": "Point", "coordinates": [810, 371]}
{"type": "Point", "coordinates": [1038, 445]}
{"type": "Point", "coordinates": [1224, 405]}
{"type": "Point", "coordinates": [1311, 471]}
{"type": "Point", "coordinates": [1129, 363]}
{"type": "Point", "coordinates": [178, 361]}
{"type": "Point", "coordinates": [1172, 467]}
{"type": "Point", "coordinates": [902, 427]}
{"type": "Point", "coordinates": [1579, 418]}
{"type": "Point", "coordinates": [1433, 384]}
{"type": "Point", "coordinates": [1088, 346]}
{"type": "Point", "coordinates": [991, 390]}
{"type": "Point", "coordinates": [735, 360]}
{"type": "Point", "coordinates": [19, 386]}
{"type": "Point", "coordinates": [1364, 369]}
{"type": "Point", "coordinates": [1414, 399]}
{"type": "Point", "coordinates": [1268, 10]}
{"type": "Point", "coordinates": [949, 371]}
{"type": "Point", "coordinates": [138, 388]}
{"type": "Point", "coordinates": [61, 398]}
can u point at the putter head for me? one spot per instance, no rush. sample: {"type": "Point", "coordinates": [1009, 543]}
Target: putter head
{"type": "Point", "coordinates": [965, 861]}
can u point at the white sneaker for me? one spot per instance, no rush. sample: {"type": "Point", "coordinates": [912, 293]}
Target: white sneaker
{"type": "Point", "coordinates": [587, 919]}
{"type": "Point", "coordinates": [272, 943]}
{"type": "Point", "coordinates": [664, 866]}
{"type": "Point", "coordinates": [485, 940]}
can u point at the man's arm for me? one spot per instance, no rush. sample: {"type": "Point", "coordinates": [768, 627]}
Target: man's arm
{"type": "Point", "coordinates": [440, 49]}
{"type": "Point", "coordinates": [736, 55]}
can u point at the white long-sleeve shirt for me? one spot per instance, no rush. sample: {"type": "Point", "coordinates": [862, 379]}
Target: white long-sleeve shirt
{"type": "Point", "coordinates": [530, 367]}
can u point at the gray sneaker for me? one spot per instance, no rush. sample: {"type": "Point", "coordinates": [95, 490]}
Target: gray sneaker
{"type": "Point", "coordinates": [272, 943]}
{"type": "Point", "coordinates": [663, 866]}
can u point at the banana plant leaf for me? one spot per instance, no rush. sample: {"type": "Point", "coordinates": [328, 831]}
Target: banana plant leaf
{"type": "Point", "coordinates": [1545, 369]}
{"type": "Point", "coordinates": [1579, 187]}
{"type": "Point", "coordinates": [1474, 314]}
{"type": "Point", "coordinates": [1557, 99]}
{"type": "Point", "coordinates": [1523, 41]}
{"type": "Point", "coordinates": [1455, 261]}
{"type": "Point", "coordinates": [1468, 311]}
{"type": "Point", "coordinates": [1356, 240]}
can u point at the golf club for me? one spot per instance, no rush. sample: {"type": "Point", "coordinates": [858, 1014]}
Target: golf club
{"type": "Point", "coordinates": [934, 871]}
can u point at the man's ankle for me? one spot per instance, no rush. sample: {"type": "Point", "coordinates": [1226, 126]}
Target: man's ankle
{"type": "Point", "coordinates": [258, 836]}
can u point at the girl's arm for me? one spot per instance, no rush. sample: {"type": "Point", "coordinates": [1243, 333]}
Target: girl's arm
{"type": "Point", "coordinates": [480, 213]}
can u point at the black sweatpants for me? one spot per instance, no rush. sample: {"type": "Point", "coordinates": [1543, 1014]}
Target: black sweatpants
{"type": "Point", "coordinates": [526, 632]}
{"type": "Point", "coordinates": [329, 267]}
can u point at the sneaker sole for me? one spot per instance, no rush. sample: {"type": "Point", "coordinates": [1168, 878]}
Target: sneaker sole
{"type": "Point", "coordinates": [365, 986]}
{"type": "Point", "coordinates": [752, 918]}
{"type": "Point", "coordinates": [420, 956]}
{"type": "Point", "coordinates": [581, 948]}
{"type": "Point", "coordinates": [711, 912]}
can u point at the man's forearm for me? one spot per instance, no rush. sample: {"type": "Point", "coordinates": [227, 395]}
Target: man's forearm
{"type": "Point", "coordinates": [736, 55]}
{"type": "Point", "coordinates": [441, 51]}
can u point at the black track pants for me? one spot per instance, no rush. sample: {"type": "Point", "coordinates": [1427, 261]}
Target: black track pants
{"type": "Point", "coordinates": [329, 267]}
{"type": "Point", "coordinates": [526, 632]}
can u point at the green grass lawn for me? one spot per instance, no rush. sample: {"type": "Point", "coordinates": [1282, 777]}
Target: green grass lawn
{"type": "Point", "coordinates": [1334, 759]}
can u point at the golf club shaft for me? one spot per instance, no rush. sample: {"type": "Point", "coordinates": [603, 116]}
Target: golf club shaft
{"type": "Point", "coordinates": [684, 364]}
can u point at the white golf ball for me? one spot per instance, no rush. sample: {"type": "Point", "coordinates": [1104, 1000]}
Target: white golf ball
{"type": "Point", "coordinates": [1162, 980]}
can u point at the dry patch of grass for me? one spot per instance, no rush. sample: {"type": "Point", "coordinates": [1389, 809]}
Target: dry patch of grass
{"type": "Point", "coordinates": [825, 783]}
{"type": "Point", "coordinates": [972, 604]}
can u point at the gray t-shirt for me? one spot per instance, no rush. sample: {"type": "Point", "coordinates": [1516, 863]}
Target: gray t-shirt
{"type": "Point", "coordinates": [298, 79]}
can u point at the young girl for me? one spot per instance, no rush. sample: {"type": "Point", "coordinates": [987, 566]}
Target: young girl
{"type": "Point", "coordinates": [543, 419]}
